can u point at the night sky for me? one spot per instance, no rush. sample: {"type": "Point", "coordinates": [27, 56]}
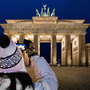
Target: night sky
{"type": "Point", "coordinates": [64, 9]}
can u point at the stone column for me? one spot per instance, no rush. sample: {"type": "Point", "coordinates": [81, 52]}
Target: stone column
{"type": "Point", "coordinates": [36, 42]}
{"type": "Point", "coordinates": [26, 58]}
{"type": "Point", "coordinates": [82, 49]}
{"type": "Point", "coordinates": [68, 49]}
{"type": "Point", "coordinates": [63, 60]}
{"type": "Point", "coordinates": [87, 48]}
{"type": "Point", "coordinates": [21, 37]}
{"type": "Point", "coordinates": [53, 50]}
{"type": "Point", "coordinates": [76, 50]}
{"type": "Point", "coordinates": [39, 45]}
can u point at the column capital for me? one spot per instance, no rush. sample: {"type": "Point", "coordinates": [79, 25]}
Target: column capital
{"type": "Point", "coordinates": [66, 34]}
{"type": "Point", "coordinates": [35, 33]}
{"type": "Point", "coordinates": [81, 34]}
{"type": "Point", "coordinates": [21, 33]}
{"type": "Point", "coordinates": [54, 33]}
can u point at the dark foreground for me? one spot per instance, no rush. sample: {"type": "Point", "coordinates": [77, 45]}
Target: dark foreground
{"type": "Point", "coordinates": [69, 78]}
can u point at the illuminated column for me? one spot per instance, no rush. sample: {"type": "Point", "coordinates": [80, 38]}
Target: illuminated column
{"type": "Point", "coordinates": [63, 60]}
{"type": "Point", "coordinates": [21, 37]}
{"type": "Point", "coordinates": [87, 54]}
{"type": "Point", "coordinates": [76, 50]}
{"type": "Point", "coordinates": [26, 58]}
{"type": "Point", "coordinates": [53, 50]}
{"type": "Point", "coordinates": [39, 45]}
{"type": "Point", "coordinates": [36, 42]}
{"type": "Point", "coordinates": [73, 59]}
{"type": "Point", "coordinates": [82, 49]}
{"type": "Point", "coordinates": [68, 49]}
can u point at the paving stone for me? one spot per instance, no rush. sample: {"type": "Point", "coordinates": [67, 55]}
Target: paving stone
{"type": "Point", "coordinates": [69, 78]}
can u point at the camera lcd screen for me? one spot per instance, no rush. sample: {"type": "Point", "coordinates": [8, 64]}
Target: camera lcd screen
{"type": "Point", "coordinates": [21, 46]}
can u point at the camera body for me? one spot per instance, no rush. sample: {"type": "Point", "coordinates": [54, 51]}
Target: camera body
{"type": "Point", "coordinates": [30, 45]}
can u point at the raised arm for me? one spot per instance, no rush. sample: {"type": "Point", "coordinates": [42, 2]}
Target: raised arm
{"type": "Point", "coordinates": [46, 78]}
{"type": "Point", "coordinates": [44, 74]}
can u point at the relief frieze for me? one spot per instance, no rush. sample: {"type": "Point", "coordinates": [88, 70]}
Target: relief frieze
{"type": "Point", "coordinates": [63, 49]}
{"type": "Point", "coordinates": [47, 27]}
{"type": "Point", "coordinates": [75, 49]}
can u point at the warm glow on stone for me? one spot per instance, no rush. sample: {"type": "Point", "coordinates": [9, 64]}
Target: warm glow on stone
{"type": "Point", "coordinates": [50, 29]}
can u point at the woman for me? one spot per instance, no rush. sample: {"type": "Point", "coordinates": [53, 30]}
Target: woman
{"type": "Point", "coordinates": [46, 79]}
{"type": "Point", "coordinates": [12, 65]}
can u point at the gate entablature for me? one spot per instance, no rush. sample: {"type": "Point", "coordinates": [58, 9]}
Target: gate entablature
{"type": "Point", "coordinates": [43, 26]}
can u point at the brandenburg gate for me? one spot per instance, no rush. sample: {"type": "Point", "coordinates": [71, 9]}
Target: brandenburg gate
{"type": "Point", "coordinates": [50, 29]}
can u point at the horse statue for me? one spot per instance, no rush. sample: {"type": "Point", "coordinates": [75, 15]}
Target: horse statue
{"type": "Point", "coordinates": [37, 12]}
{"type": "Point", "coordinates": [53, 12]}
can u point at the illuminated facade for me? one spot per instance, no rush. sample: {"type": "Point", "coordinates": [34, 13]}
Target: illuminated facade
{"type": "Point", "coordinates": [50, 29]}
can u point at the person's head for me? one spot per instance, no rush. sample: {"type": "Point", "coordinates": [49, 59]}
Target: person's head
{"type": "Point", "coordinates": [30, 48]}
{"type": "Point", "coordinates": [27, 44]}
{"type": "Point", "coordinates": [4, 41]}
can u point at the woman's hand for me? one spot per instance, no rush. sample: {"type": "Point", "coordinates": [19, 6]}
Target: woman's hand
{"type": "Point", "coordinates": [31, 51]}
